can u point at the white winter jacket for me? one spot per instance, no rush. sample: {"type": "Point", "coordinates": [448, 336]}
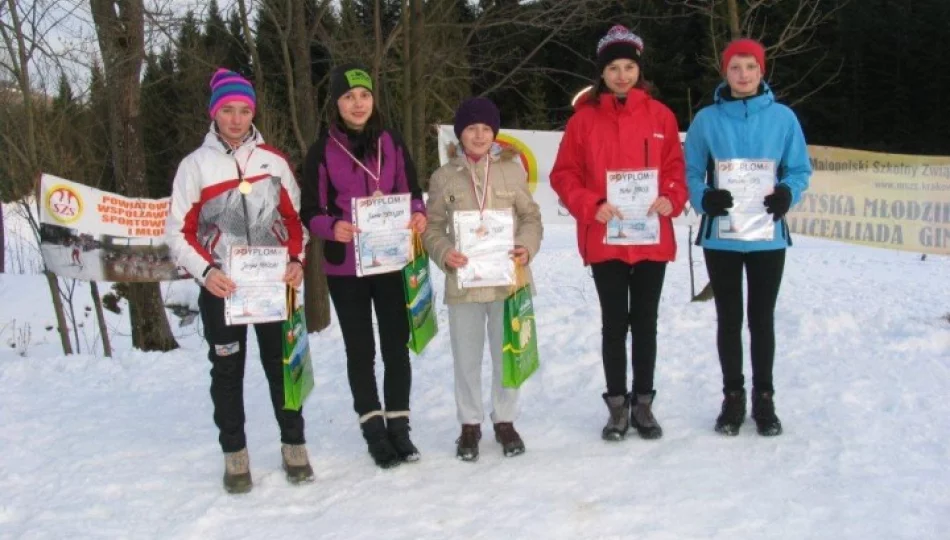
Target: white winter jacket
{"type": "Point", "coordinates": [208, 214]}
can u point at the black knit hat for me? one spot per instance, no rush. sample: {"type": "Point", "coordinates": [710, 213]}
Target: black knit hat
{"type": "Point", "coordinates": [618, 43]}
{"type": "Point", "coordinates": [346, 77]}
{"type": "Point", "coordinates": [477, 110]}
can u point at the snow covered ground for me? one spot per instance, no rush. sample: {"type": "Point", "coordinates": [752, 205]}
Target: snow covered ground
{"type": "Point", "coordinates": [125, 447]}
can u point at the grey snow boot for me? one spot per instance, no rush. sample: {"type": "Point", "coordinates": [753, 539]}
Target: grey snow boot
{"type": "Point", "coordinates": [237, 472]}
{"type": "Point", "coordinates": [617, 422]}
{"type": "Point", "coordinates": [296, 463]}
{"type": "Point", "coordinates": [641, 416]}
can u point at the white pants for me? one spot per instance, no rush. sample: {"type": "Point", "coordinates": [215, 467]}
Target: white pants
{"type": "Point", "coordinates": [467, 324]}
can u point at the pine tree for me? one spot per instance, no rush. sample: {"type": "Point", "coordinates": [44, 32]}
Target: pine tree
{"type": "Point", "coordinates": [237, 58]}
{"type": "Point", "coordinates": [216, 37]}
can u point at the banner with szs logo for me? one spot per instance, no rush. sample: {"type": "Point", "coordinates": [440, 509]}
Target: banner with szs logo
{"type": "Point", "coordinates": [94, 235]}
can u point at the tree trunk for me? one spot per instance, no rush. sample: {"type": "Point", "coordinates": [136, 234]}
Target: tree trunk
{"type": "Point", "coordinates": [316, 296]}
{"type": "Point", "coordinates": [260, 115]}
{"type": "Point", "coordinates": [418, 89]}
{"type": "Point", "coordinates": [61, 325]}
{"type": "Point", "coordinates": [407, 132]}
{"type": "Point", "coordinates": [26, 90]}
{"type": "Point", "coordinates": [101, 319]}
{"type": "Point", "coordinates": [735, 30]}
{"type": "Point", "coordinates": [3, 242]}
{"type": "Point", "coordinates": [120, 29]}
{"type": "Point", "coordinates": [303, 81]}
{"type": "Point", "coordinates": [316, 300]}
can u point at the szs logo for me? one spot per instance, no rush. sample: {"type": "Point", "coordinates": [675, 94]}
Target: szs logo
{"type": "Point", "coordinates": [64, 204]}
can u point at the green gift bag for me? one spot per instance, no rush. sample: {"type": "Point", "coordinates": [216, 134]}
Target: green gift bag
{"type": "Point", "coordinates": [298, 371]}
{"type": "Point", "coordinates": [520, 349]}
{"type": "Point", "coordinates": [420, 307]}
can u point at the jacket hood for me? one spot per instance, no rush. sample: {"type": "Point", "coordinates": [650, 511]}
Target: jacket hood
{"type": "Point", "coordinates": [742, 107]}
{"type": "Point", "coordinates": [635, 97]}
{"type": "Point", "coordinates": [454, 151]}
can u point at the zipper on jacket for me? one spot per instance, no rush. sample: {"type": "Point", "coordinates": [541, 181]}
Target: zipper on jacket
{"type": "Point", "coordinates": [646, 153]}
{"type": "Point", "coordinates": [710, 181]}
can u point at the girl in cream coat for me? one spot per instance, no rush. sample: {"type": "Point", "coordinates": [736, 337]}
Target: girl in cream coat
{"type": "Point", "coordinates": [459, 185]}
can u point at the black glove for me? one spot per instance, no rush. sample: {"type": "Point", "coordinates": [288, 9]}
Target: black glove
{"type": "Point", "coordinates": [715, 202]}
{"type": "Point", "coordinates": [778, 202]}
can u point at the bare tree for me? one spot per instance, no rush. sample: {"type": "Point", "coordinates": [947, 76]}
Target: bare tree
{"type": "Point", "coordinates": [20, 49]}
{"type": "Point", "coordinates": [787, 28]}
{"type": "Point", "coordinates": [120, 28]}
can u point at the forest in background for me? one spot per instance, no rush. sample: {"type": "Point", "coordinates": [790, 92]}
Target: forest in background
{"type": "Point", "coordinates": [867, 74]}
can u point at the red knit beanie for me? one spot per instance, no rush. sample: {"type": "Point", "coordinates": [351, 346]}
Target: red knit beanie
{"type": "Point", "coordinates": [744, 46]}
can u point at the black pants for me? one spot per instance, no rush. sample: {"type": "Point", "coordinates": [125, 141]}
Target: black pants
{"type": "Point", "coordinates": [764, 273]}
{"type": "Point", "coordinates": [228, 345]}
{"type": "Point", "coordinates": [629, 298]}
{"type": "Point", "coordinates": [353, 299]}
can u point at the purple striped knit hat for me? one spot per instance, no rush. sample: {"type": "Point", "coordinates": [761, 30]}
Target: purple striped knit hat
{"type": "Point", "coordinates": [227, 86]}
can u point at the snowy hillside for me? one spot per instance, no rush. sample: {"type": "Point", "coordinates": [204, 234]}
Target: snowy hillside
{"type": "Point", "coordinates": [125, 447]}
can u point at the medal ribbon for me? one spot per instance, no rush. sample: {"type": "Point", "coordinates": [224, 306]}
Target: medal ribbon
{"type": "Point", "coordinates": [484, 198]}
{"type": "Point", "coordinates": [379, 161]}
{"type": "Point", "coordinates": [237, 165]}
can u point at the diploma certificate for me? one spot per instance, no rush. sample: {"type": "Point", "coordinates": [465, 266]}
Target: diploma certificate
{"type": "Point", "coordinates": [261, 294]}
{"type": "Point", "coordinates": [385, 239]}
{"type": "Point", "coordinates": [632, 192]}
{"type": "Point", "coordinates": [749, 181]}
{"type": "Point", "coordinates": [486, 238]}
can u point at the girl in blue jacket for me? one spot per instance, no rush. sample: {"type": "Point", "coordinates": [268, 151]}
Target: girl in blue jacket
{"type": "Point", "coordinates": [746, 165]}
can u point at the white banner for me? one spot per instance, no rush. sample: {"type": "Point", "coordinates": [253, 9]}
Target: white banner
{"type": "Point", "coordinates": [537, 151]}
{"type": "Point", "coordinates": [94, 235]}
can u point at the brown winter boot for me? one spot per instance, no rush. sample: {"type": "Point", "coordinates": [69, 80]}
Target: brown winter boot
{"type": "Point", "coordinates": [237, 472]}
{"type": "Point", "coordinates": [296, 463]}
{"type": "Point", "coordinates": [511, 443]}
{"type": "Point", "coordinates": [466, 448]}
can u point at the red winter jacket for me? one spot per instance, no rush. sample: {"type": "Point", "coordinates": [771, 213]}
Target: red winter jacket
{"type": "Point", "coordinates": [606, 135]}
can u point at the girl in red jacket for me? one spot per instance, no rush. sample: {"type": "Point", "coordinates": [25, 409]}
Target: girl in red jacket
{"type": "Point", "coordinates": [619, 170]}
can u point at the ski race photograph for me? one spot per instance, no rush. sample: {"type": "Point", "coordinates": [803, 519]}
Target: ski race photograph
{"type": "Point", "coordinates": [495, 269]}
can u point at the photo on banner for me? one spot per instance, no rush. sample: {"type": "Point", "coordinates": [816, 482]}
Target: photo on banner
{"type": "Point", "coordinates": [94, 235]}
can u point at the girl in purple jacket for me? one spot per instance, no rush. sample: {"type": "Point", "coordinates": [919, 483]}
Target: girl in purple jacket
{"type": "Point", "coordinates": [357, 157]}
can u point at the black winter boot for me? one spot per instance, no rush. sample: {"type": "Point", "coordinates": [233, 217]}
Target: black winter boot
{"type": "Point", "coordinates": [398, 429]}
{"type": "Point", "coordinates": [733, 413]}
{"type": "Point", "coordinates": [377, 442]}
{"type": "Point", "coordinates": [763, 412]}
{"type": "Point", "coordinates": [618, 421]}
{"type": "Point", "coordinates": [642, 419]}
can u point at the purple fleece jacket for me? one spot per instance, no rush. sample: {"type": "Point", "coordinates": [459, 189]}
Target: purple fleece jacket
{"type": "Point", "coordinates": [331, 180]}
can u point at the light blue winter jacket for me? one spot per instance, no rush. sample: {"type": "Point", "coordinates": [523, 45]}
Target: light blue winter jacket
{"type": "Point", "coordinates": [752, 128]}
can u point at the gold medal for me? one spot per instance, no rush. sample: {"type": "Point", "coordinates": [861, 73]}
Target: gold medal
{"type": "Point", "coordinates": [244, 187]}
{"type": "Point", "coordinates": [377, 193]}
